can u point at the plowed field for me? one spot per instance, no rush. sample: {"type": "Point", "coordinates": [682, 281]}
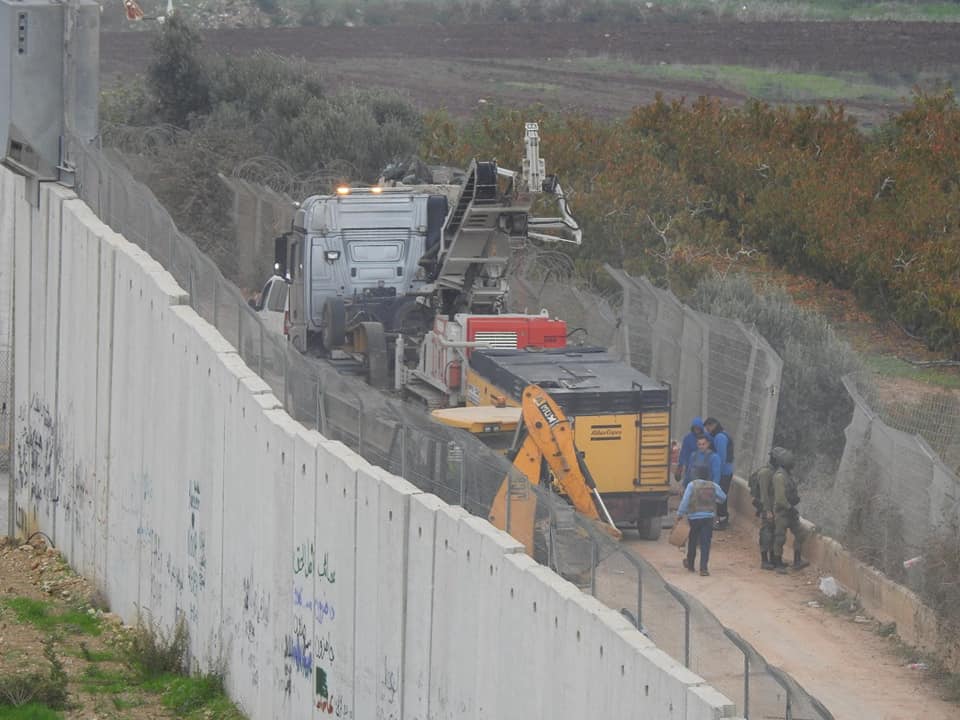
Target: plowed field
{"type": "Point", "coordinates": [601, 68]}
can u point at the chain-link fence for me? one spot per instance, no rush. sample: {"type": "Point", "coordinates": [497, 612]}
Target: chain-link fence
{"type": "Point", "coordinates": [891, 493]}
{"type": "Point", "coordinates": [715, 366]}
{"type": "Point", "coordinates": [452, 464]}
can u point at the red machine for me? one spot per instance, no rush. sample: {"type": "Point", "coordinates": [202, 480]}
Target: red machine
{"type": "Point", "coordinates": [445, 350]}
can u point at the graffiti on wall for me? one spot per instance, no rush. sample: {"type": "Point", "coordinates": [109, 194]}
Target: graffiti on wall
{"type": "Point", "coordinates": [39, 458]}
{"type": "Point", "coordinates": [297, 649]}
{"type": "Point", "coordinates": [321, 608]}
{"type": "Point", "coordinates": [196, 553]}
{"type": "Point", "coordinates": [388, 702]}
{"type": "Point", "coordinates": [256, 608]}
{"type": "Point", "coordinates": [305, 562]}
{"type": "Point", "coordinates": [328, 702]}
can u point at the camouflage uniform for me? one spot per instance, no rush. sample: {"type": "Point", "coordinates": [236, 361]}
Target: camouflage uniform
{"type": "Point", "coordinates": [786, 516]}
{"type": "Point", "coordinates": [764, 504]}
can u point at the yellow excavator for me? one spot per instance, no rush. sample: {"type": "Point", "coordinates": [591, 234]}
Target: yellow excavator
{"type": "Point", "coordinates": [543, 452]}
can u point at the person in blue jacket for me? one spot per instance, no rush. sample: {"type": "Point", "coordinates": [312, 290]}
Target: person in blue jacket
{"type": "Point", "coordinates": [687, 448]}
{"type": "Point", "coordinates": [699, 504]}
{"type": "Point", "coordinates": [703, 457]}
{"type": "Point", "coordinates": [723, 447]}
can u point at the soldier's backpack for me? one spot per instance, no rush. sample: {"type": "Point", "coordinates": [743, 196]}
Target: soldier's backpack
{"type": "Point", "coordinates": [791, 490]}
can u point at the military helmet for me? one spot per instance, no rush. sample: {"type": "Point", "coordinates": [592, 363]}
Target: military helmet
{"type": "Point", "coordinates": [781, 457]}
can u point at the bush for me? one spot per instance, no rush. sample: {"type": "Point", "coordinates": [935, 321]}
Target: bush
{"type": "Point", "coordinates": [814, 406]}
{"type": "Point", "coordinates": [941, 568]}
{"type": "Point", "coordinates": [153, 652]}
{"type": "Point", "coordinates": [875, 214]}
{"type": "Point", "coordinates": [50, 690]}
{"type": "Point", "coordinates": [177, 76]}
{"type": "Point", "coordinates": [243, 112]}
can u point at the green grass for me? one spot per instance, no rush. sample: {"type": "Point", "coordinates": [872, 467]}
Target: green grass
{"type": "Point", "coordinates": [95, 656]}
{"type": "Point", "coordinates": [891, 366]}
{"type": "Point", "coordinates": [188, 694]}
{"type": "Point", "coordinates": [96, 680]}
{"type": "Point", "coordinates": [41, 615]}
{"type": "Point", "coordinates": [30, 711]}
{"type": "Point", "coordinates": [772, 85]}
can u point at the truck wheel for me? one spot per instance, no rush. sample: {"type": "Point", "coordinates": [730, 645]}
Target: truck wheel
{"type": "Point", "coordinates": [334, 323]}
{"type": "Point", "coordinates": [370, 339]}
{"type": "Point", "coordinates": [650, 528]}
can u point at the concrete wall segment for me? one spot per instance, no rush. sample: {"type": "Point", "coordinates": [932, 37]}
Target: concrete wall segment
{"type": "Point", "coordinates": [522, 667]}
{"type": "Point", "coordinates": [22, 291]}
{"type": "Point", "coordinates": [454, 634]}
{"type": "Point", "coordinates": [77, 384]}
{"type": "Point", "coordinates": [418, 626]}
{"type": "Point", "coordinates": [381, 550]}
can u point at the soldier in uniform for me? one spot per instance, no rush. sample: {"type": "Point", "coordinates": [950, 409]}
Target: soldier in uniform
{"type": "Point", "coordinates": [761, 489]}
{"type": "Point", "coordinates": [785, 514]}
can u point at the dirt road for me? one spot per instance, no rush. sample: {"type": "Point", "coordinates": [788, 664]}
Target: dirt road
{"type": "Point", "coordinates": [846, 665]}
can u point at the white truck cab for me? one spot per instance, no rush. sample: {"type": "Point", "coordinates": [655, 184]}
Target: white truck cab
{"type": "Point", "coordinates": [272, 304]}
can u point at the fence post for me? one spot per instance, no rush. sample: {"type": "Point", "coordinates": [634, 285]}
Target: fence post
{"type": "Point", "coordinates": [746, 687]}
{"type": "Point", "coordinates": [321, 410]}
{"type": "Point", "coordinates": [286, 376]}
{"type": "Point", "coordinates": [758, 455]}
{"type": "Point", "coordinates": [359, 427]}
{"type": "Point", "coordinates": [463, 477]}
{"type": "Point", "coordinates": [686, 621]}
{"type": "Point", "coordinates": [403, 451]}
{"type": "Point", "coordinates": [594, 561]}
{"type": "Point", "coordinates": [260, 356]}
{"type": "Point", "coordinates": [215, 285]}
{"type": "Point", "coordinates": [509, 493]}
{"type": "Point", "coordinates": [240, 334]}
{"type": "Point", "coordinates": [639, 599]}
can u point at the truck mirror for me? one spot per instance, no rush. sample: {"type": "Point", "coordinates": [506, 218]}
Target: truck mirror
{"type": "Point", "coordinates": [252, 302]}
{"type": "Point", "coordinates": [280, 255]}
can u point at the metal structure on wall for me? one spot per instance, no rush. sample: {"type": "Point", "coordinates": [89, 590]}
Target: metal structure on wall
{"type": "Point", "coordinates": [46, 95]}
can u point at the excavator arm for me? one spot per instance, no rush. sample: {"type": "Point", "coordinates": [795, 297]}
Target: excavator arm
{"type": "Point", "coordinates": [544, 451]}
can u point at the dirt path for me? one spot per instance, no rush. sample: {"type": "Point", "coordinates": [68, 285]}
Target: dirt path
{"type": "Point", "coordinates": [852, 670]}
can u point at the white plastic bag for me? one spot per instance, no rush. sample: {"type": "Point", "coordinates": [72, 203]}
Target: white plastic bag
{"type": "Point", "coordinates": [830, 587]}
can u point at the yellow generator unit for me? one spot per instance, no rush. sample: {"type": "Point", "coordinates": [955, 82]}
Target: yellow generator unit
{"type": "Point", "coordinates": [620, 417]}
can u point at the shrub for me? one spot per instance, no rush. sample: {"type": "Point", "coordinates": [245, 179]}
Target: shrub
{"type": "Point", "coordinates": [177, 76]}
{"type": "Point", "coordinates": [50, 690]}
{"type": "Point", "coordinates": [153, 652]}
{"type": "Point", "coordinates": [814, 406]}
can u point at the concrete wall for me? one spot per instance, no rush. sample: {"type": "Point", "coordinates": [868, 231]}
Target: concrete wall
{"type": "Point", "coordinates": [167, 472]}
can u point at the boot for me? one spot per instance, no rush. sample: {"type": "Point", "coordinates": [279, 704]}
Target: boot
{"type": "Point", "coordinates": [798, 562]}
{"type": "Point", "coordinates": [765, 563]}
{"type": "Point", "coordinates": [778, 565]}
